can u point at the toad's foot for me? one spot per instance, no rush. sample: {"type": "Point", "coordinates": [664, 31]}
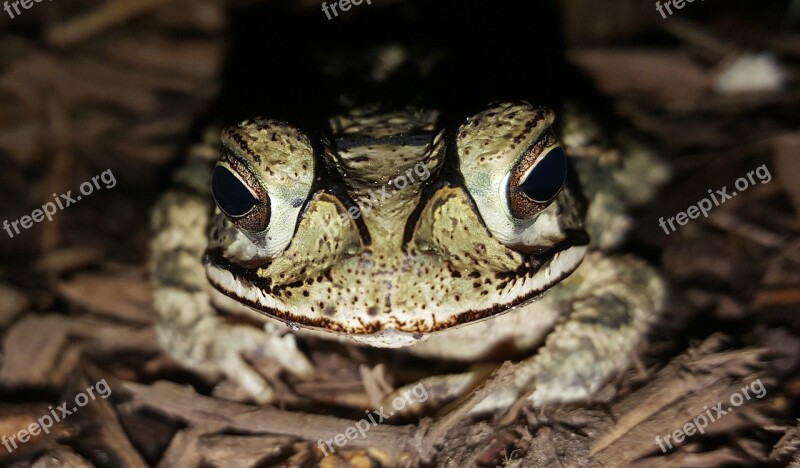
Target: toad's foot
{"type": "Point", "coordinates": [189, 328]}
{"type": "Point", "coordinates": [213, 348]}
{"type": "Point", "coordinates": [610, 302]}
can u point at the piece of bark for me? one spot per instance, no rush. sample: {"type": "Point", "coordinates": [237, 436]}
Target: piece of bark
{"type": "Point", "coordinates": [584, 23]}
{"type": "Point", "coordinates": [32, 348]}
{"type": "Point", "coordinates": [702, 377]}
{"type": "Point", "coordinates": [108, 14]}
{"type": "Point", "coordinates": [102, 337]}
{"type": "Point", "coordinates": [57, 262]}
{"type": "Point", "coordinates": [167, 57]}
{"type": "Point", "coordinates": [14, 418]}
{"type": "Point", "coordinates": [439, 430]}
{"type": "Point", "coordinates": [183, 450]}
{"type": "Point", "coordinates": [557, 447]}
{"type": "Point", "coordinates": [635, 72]}
{"type": "Point", "coordinates": [99, 411]}
{"type": "Point", "coordinates": [61, 457]}
{"type": "Point", "coordinates": [375, 384]}
{"type": "Point", "coordinates": [242, 451]}
{"type": "Point", "coordinates": [787, 450]}
{"type": "Point", "coordinates": [700, 38]}
{"type": "Point", "coordinates": [12, 303]}
{"type": "Point", "coordinates": [125, 297]}
{"type": "Point", "coordinates": [787, 166]}
{"type": "Point", "coordinates": [722, 457]}
{"type": "Point", "coordinates": [184, 404]}
{"type": "Point", "coordinates": [38, 352]}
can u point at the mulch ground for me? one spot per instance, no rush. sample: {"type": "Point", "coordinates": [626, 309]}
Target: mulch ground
{"type": "Point", "coordinates": [121, 85]}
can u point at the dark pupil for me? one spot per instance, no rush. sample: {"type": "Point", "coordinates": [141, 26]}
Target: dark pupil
{"type": "Point", "coordinates": [230, 193]}
{"type": "Point", "coordinates": [546, 177]}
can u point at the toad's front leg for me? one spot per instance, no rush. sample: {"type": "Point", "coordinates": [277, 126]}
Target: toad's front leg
{"type": "Point", "coordinates": [189, 327]}
{"type": "Point", "coordinates": [609, 303]}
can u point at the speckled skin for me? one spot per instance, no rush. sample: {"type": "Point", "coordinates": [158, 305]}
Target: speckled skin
{"type": "Point", "coordinates": [446, 265]}
{"type": "Point", "coordinates": [428, 255]}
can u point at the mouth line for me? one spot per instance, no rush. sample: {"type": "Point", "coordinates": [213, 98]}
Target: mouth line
{"type": "Point", "coordinates": [536, 260]}
{"type": "Point", "coordinates": [572, 238]}
{"type": "Point", "coordinates": [216, 274]}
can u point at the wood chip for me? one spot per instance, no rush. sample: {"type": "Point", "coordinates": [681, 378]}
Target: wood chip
{"type": "Point", "coordinates": [243, 451]}
{"type": "Point", "coordinates": [787, 166]}
{"type": "Point", "coordinates": [110, 433]}
{"type": "Point", "coordinates": [32, 349]}
{"type": "Point", "coordinates": [215, 415]}
{"type": "Point", "coordinates": [61, 457]}
{"type": "Point", "coordinates": [681, 391]}
{"type": "Point", "coordinates": [109, 14]}
{"type": "Point", "coordinates": [126, 298]}
{"type": "Point", "coordinates": [12, 303]}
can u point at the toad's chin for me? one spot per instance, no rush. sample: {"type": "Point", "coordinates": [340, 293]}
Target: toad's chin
{"type": "Point", "coordinates": [387, 335]}
{"type": "Point", "coordinates": [561, 266]}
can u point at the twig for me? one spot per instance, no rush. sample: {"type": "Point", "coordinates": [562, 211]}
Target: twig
{"type": "Point", "coordinates": [699, 37]}
{"type": "Point", "coordinates": [110, 14]}
{"type": "Point", "coordinates": [215, 415]}
{"type": "Point", "coordinates": [437, 432]}
{"type": "Point", "coordinates": [700, 377]}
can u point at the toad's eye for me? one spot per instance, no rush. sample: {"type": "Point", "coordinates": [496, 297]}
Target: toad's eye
{"type": "Point", "coordinates": [230, 193]}
{"type": "Point", "coordinates": [545, 179]}
{"type": "Point", "coordinates": [537, 177]}
{"type": "Point", "coordinates": [517, 172]}
{"type": "Point", "coordinates": [240, 197]}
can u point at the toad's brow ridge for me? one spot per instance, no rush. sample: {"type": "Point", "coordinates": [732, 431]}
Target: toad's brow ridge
{"type": "Point", "coordinates": [356, 141]}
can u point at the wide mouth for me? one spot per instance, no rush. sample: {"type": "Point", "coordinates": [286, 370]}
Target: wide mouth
{"type": "Point", "coordinates": [245, 286]}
